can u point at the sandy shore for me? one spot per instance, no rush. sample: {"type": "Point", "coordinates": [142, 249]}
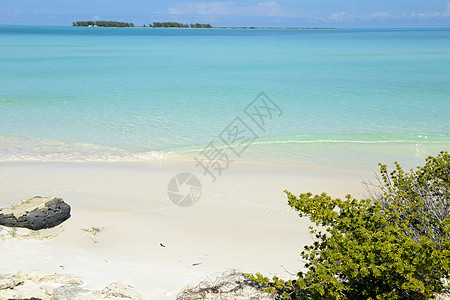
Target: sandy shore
{"type": "Point", "coordinates": [240, 222]}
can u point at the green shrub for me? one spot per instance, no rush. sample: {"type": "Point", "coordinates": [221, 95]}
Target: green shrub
{"type": "Point", "coordinates": [396, 246]}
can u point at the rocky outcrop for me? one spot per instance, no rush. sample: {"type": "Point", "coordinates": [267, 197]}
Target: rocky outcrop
{"type": "Point", "coordinates": [38, 277]}
{"type": "Point", "coordinates": [18, 233]}
{"type": "Point", "coordinates": [121, 290]}
{"type": "Point", "coordinates": [53, 286]}
{"type": "Point", "coordinates": [9, 282]}
{"type": "Point", "coordinates": [232, 285]}
{"type": "Point", "coordinates": [35, 213]}
{"type": "Point", "coordinates": [68, 292]}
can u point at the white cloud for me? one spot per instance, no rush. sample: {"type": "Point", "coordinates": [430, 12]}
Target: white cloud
{"type": "Point", "coordinates": [447, 11]}
{"type": "Point", "coordinates": [378, 15]}
{"type": "Point", "coordinates": [11, 15]}
{"type": "Point", "coordinates": [422, 15]}
{"type": "Point", "coordinates": [427, 15]}
{"type": "Point", "coordinates": [266, 9]}
{"type": "Point", "coordinates": [269, 8]}
{"type": "Point", "coordinates": [203, 8]}
{"type": "Point", "coordinates": [338, 17]}
{"type": "Point", "coordinates": [382, 16]}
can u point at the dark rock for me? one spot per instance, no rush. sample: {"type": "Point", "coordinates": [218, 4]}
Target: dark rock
{"type": "Point", "coordinates": [35, 213]}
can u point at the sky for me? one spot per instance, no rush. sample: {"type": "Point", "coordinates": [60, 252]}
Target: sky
{"type": "Point", "coordinates": [273, 13]}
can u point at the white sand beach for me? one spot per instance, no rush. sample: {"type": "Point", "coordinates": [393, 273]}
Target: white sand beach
{"type": "Point", "coordinates": [242, 221]}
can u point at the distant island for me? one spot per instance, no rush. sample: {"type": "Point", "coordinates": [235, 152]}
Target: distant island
{"type": "Point", "coordinates": [178, 25]}
{"type": "Point", "coordinates": [123, 24]}
{"type": "Point", "coordinates": [101, 24]}
{"type": "Point", "coordinates": [174, 25]}
{"type": "Point", "coordinates": [251, 27]}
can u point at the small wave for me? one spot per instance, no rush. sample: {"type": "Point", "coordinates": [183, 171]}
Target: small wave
{"type": "Point", "coordinates": [331, 151]}
{"type": "Point", "coordinates": [378, 139]}
{"type": "Point", "coordinates": [16, 149]}
{"type": "Point", "coordinates": [357, 139]}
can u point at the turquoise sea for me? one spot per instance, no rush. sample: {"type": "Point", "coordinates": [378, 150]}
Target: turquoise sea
{"type": "Point", "coordinates": [345, 97]}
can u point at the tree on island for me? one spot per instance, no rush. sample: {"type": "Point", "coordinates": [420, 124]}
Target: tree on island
{"type": "Point", "coordinates": [178, 25]}
{"type": "Point", "coordinates": [101, 24]}
{"type": "Point", "coordinates": [124, 24]}
{"type": "Point", "coordinates": [393, 246]}
{"type": "Point", "coordinates": [198, 25]}
{"type": "Point", "coordinates": [169, 25]}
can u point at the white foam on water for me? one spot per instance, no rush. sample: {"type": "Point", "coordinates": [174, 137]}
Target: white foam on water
{"type": "Point", "coordinates": [16, 149]}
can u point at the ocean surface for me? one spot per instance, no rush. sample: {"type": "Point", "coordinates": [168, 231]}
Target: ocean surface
{"type": "Point", "coordinates": [329, 97]}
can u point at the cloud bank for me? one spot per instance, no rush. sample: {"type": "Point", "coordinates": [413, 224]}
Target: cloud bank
{"type": "Point", "coordinates": [231, 8]}
{"type": "Point", "coordinates": [384, 15]}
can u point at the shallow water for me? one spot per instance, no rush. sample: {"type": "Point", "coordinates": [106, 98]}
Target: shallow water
{"type": "Point", "coordinates": [343, 96]}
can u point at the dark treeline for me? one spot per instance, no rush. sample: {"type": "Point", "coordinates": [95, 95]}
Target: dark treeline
{"type": "Point", "coordinates": [178, 25]}
{"type": "Point", "coordinates": [102, 24]}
